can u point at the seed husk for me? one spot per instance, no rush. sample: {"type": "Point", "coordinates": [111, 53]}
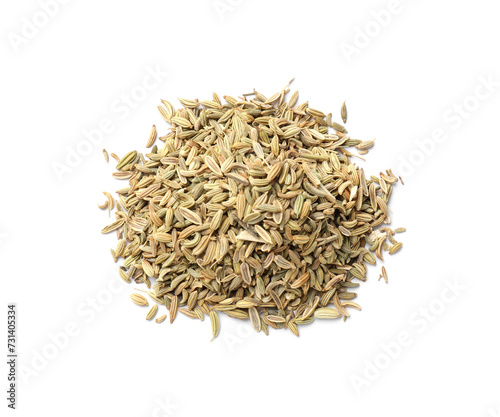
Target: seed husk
{"type": "Point", "coordinates": [351, 304]}
{"type": "Point", "coordinates": [384, 275]}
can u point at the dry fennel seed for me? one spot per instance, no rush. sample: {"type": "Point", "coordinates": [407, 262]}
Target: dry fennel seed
{"type": "Point", "coordinates": [139, 299]}
{"type": "Point", "coordinates": [252, 208]}
{"type": "Point", "coordinates": [384, 275]}
{"type": "Point", "coordinates": [152, 312]}
{"type": "Point", "coordinates": [343, 112]}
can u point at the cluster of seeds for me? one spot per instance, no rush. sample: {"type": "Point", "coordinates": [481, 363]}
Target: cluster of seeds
{"type": "Point", "coordinates": [253, 208]}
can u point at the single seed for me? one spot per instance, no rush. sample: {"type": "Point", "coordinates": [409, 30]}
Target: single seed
{"type": "Point", "coordinates": [152, 137]}
{"type": "Point", "coordinates": [327, 313]}
{"type": "Point", "coordinates": [384, 275]}
{"type": "Point", "coordinates": [152, 312]}
{"type": "Point", "coordinates": [139, 299]}
{"type": "Point", "coordinates": [214, 320]}
{"type": "Point", "coordinates": [161, 318]}
{"type": "Point", "coordinates": [343, 113]}
{"type": "Point", "coordinates": [395, 248]}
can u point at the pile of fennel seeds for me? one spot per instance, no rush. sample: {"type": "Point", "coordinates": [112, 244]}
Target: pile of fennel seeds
{"type": "Point", "coordinates": [253, 208]}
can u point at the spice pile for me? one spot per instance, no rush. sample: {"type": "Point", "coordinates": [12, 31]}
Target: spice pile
{"type": "Point", "coordinates": [252, 207]}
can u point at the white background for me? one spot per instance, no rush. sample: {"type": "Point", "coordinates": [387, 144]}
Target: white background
{"type": "Point", "coordinates": [86, 350]}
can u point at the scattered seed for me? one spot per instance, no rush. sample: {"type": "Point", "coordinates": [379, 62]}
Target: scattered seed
{"type": "Point", "coordinates": [343, 113]}
{"type": "Point", "coordinates": [161, 318]}
{"type": "Point", "coordinates": [214, 320]}
{"type": "Point", "coordinates": [139, 299]}
{"type": "Point", "coordinates": [395, 248]}
{"type": "Point", "coordinates": [384, 275]}
{"type": "Point", "coordinates": [152, 137]}
{"type": "Point", "coordinates": [152, 312]}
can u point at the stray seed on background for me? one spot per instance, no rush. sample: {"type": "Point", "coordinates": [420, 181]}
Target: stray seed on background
{"type": "Point", "coordinates": [161, 318]}
{"type": "Point", "coordinates": [139, 299]}
{"type": "Point", "coordinates": [343, 113]}
{"type": "Point", "coordinates": [214, 320]}
{"type": "Point", "coordinates": [152, 312]}
{"type": "Point", "coordinates": [384, 275]}
{"type": "Point", "coordinates": [152, 137]}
